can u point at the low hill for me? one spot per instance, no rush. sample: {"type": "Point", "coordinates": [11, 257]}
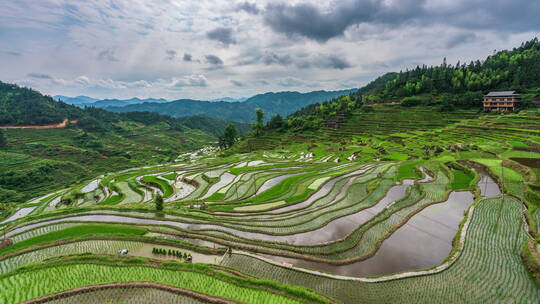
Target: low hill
{"type": "Point", "coordinates": [36, 160]}
{"type": "Point", "coordinates": [517, 69]}
{"type": "Point", "coordinates": [85, 101]}
{"type": "Point", "coordinates": [445, 88]}
{"type": "Point", "coordinates": [26, 107]}
{"type": "Point", "coordinates": [76, 101]}
{"type": "Point", "coordinates": [282, 103]}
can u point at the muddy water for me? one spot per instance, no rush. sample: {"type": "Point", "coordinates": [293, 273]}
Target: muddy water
{"type": "Point", "coordinates": [323, 191]}
{"type": "Point", "coordinates": [488, 187]}
{"type": "Point", "coordinates": [343, 226]}
{"type": "Point", "coordinates": [226, 179]}
{"type": "Point", "coordinates": [424, 241]}
{"type": "Point", "coordinates": [20, 213]}
{"type": "Point", "coordinates": [273, 181]}
{"type": "Point", "coordinates": [91, 186]}
{"type": "Point", "coordinates": [336, 229]}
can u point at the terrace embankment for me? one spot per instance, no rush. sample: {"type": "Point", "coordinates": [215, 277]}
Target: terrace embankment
{"type": "Point", "coordinates": [423, 242]}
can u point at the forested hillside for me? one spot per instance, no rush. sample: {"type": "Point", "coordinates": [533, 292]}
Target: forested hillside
{"type": "Point", "coordinates": [282, 103]}
{"type": "Point", "coordinates": [24, 106]}
{"type": "Point", "coordinates": [34, 161]}
{"type": "Point", "coordinates": [518, 69]}
{"type": "Point", "coordinates": [444, 88]}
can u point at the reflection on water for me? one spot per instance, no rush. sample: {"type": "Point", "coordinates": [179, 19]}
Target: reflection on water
{"type": "Point", "coordinates": [424, 241]}
{"type": "Point", "coordinates": [20, 213]}
{"type": "Point", "coordinates": [488, 187]}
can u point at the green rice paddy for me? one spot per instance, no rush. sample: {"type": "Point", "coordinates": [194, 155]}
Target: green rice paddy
{"type": "Point", "coordinates": [304, 221]}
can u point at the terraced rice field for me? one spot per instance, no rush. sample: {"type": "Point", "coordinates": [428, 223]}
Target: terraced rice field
{"type": "Point", "coordinates": [449, 221]}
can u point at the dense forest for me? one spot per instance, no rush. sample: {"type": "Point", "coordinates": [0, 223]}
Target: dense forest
{"type": "Point", "coordinates": [25, 106]}
{"type": "Point", "coordinates": [444, 87]}
{"type": "Point", "coordinates": [518, 69]}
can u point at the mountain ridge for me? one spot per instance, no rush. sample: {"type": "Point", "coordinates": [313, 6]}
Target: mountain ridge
{"type": "Point", "coordinates": [272, 103]}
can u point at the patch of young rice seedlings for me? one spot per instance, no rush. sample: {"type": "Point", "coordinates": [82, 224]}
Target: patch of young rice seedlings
{"type": "Point", "coordinates": [79, 275]}
{"type": "Point", "coordinates": [41, 230]}
{"type": "Point", "coordinates": [161, 184]}
{"type": "Point", "coordinates": [489, 269]}
{"type": "Point", "coordinates": [127, 295]}
{"type": "Point", "coordinates": [200, 190]}
{"type": "Point", "coordinates": [94, 246]}
{"type": "Point", "coordinates": [130, 196]}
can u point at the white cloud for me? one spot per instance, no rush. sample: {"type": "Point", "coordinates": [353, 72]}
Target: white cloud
{"type": "Point", "coordinates": [160, 48]}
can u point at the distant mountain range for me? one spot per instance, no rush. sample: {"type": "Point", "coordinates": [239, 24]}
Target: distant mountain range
{"type": "Point", "coordinates": [230, 99]}
{"type": "Point", "coordinates": [23, 106]}
{"type": "Point", "coordinates": [282, 103]}
{"type": "Point", "coordinates": [85, 101]}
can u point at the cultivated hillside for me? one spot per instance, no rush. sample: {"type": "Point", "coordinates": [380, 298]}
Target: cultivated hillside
{"type": "Point", "coordinates": [34, 161]}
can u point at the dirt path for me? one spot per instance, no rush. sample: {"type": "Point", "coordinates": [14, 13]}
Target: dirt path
{"type": "Point", "coordinates": [63, 124]}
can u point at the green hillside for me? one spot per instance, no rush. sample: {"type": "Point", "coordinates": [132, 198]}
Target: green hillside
{"type": "Point", "coordinates": [445, 88]}
{"type": "Point", "coordinates": [34, 161]}
{"type": "Point", "coordinates": [282, 103]}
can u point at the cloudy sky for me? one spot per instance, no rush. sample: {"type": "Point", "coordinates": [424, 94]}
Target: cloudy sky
{"type": "Point", "coordinates": [208, 48]}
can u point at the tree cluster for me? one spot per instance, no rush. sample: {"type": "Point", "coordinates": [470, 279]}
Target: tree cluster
{"type": "Point", "coordinates": [228, 138]}
{"type": "Point", "coordinates": [518, 69]}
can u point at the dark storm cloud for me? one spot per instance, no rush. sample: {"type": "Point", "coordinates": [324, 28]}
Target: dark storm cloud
{"type": "Point", "coordinates": [309, 21]}
{"type": "Point", "coordinates": [171, 54]}
{"type": "Point", "coordinates": [222, 34]}
{"type": "Point", "coordinates": [39, 76]}
{"type": "Point", "coordinates": [248, 7]}
{"type": "Point", "coordinates": [270, 58]}
{"type": "Point", "coordinates": [213, 59]}
{"type": "Point", "coordinates": [333, 62]}
{"type": "Point", "coordinates": [300, 60]}
{"type": "Point", "coordinates": [312, 22]}
{"type": "Point", "coordinates": [187, 57]}
{"type": "Point", "coordinates": [460, 39]}
{"type": "Point", "coordinates": [324, 62]}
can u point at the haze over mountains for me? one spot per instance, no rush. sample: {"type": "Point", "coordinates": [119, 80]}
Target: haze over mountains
{"type": "Point", "coordinates": [282, 103]}
{"type": "Point", "coordinates": [82, 101]}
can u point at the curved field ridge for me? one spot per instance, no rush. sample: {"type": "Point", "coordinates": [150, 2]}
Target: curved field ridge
{"type": "Point", "coordinates": [86, 289]}
{"type": "Point", "coordinates": [476, 277]}
{"type": "Point", "coordinates": [35, 283]}
{"type": "Point", "coordinates": [451, 259]}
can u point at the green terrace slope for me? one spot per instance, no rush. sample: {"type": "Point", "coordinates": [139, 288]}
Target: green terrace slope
{"type": "Point", "coordinates": [36, 160]}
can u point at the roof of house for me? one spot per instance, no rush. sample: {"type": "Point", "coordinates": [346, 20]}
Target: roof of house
{"type": "Point", "coordinates": [502, 93]}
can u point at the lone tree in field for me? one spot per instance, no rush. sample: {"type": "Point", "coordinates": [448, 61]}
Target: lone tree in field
{"type": "Point", "coordinates": [259, 123]}
{"type": "Point", "coordinates": [229, 137]}
{"type": "Point", "coordinates": [3, 139]}
{"type": "Point", "coordinates": [159, 202]}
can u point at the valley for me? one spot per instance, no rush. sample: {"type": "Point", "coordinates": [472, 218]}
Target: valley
{"type": "Point", "coordinates": [405, 220]}
{"type": "Point", "coordinates": [413, 189]}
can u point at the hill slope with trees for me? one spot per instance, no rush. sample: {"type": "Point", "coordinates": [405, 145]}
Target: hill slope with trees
{"type": "Point", "coordinates": [282, 103]}
{"type": "Point", "coordinates": [34, 161]}
{"type": "Point", "coordinates": [443, 88]}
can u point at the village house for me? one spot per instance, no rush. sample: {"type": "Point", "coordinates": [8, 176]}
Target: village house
{"type": "Point", "coordinates": [502, 101]}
